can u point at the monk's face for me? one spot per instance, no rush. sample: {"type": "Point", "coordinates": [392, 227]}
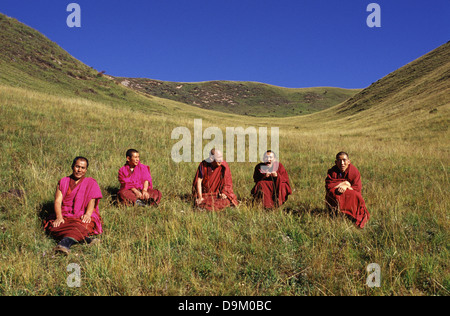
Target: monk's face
{"type": "Point", "coordinates": [342, 162]}
{"type": "Point", "coordinates": [79, 169]}
{"type": "Point", "coordinates": [269, 158]}
{"type": "Point", "coordinates": [217, 158]}
{"type": "Point", "coordinates": [133, 161]}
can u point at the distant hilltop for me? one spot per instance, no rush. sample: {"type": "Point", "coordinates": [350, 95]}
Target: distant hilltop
{"type": "Point", "coordinates": [244, 98]}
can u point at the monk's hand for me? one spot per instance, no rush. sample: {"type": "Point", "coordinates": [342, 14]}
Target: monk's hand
{"type": "Point", "coordinates": [342, 189]}
{"type": "Point", "coordinates": [267, 175]}
{"type": "Point", "coordinates": [86, 219]}
{"type": "Point", "coordinates": [137, 193]}
{"type": "Point", "coordinates": [344, 186]}
{"type": "Point", "coordinates": [58, 222]}
{"type": "Point", "coordinates": [145, 195]}
{"type": "Point", "coordinates": [222, 196]}
{"type": "Point", "coordinates": [274, 174]}
{"type": "Point", "coordinates": [199, 201]}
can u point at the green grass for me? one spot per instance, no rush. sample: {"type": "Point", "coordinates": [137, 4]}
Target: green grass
{"type": "Point", "coordinates": [400, 143]}
{"type": "Point", "coordinates": [175, 250]}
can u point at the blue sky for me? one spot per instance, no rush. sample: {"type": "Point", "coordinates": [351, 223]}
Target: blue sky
{"type": "Point", "coordinates": [289, 43]}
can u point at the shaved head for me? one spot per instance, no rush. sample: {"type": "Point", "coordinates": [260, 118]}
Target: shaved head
{"type": "Point", "coordinates": [216, 156]}
{"type": "Point", "coordinates": [341, 153]}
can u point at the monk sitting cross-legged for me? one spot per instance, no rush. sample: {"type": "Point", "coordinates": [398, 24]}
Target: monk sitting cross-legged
{"type": "Point", "coordinates": [136, 185]}
{"type": "Point", "coordinates": [212, 188]}
{"type": "Point", "coordinates": [271, 182]}
{"type": "Point", "coordinates": [76, 215]}
{"type": "Point", "coordinates": [343, 186]}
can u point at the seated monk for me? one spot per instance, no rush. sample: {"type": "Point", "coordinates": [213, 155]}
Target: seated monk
{"type": "Point", "coordinates": [136, 186]}
{"type": "Point", "coordinates": [76, 215]}
{"type": "Point", "coordinates": [212, 188]}
{"type": "Point", "coordinates": [271, 182]}
{"type": "Point", "coordinates": [343, 186]}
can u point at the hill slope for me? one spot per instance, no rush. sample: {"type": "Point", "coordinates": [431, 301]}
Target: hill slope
{"type": "Point", "coordinates": [426, 79]}
{"type": "Point", "coordinates": [245, 251]}
{"type": "Point", "coordinates": [30, 60]}
{"type": "Point", "coordinates": [244, 98]}
{"type": "Point", "coordinates": [411, 101]}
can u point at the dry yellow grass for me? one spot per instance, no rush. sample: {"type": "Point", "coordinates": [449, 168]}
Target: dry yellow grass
{"type": "Point", "coordinates": [396, 132]}
{"type": "Point", "coordinates": [174, 250]}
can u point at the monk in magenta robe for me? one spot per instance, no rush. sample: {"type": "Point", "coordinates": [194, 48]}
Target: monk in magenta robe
{"type": "Point", "coordinates": [136, 185]}
{"type": "Point", "coordinates": [212, 187]}
{"type": "Point", "coordinates": [76, 214]}
{"type": "Point", "coordinates": [272, 185]}
{"type": "Point", "coordinates": [343, 186]}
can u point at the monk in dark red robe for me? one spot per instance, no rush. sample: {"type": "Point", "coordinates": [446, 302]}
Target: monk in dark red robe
{"type": "Point", "coordinates": [343, 186]}
{"type": "Point", "coordinates": [136, 185]}
{"type": "Point", "coordinates": [272, 185]}
{"type": "Point", "coordinates": [76, 215]}
{"type": "Point", "coordinates": [212, 187]}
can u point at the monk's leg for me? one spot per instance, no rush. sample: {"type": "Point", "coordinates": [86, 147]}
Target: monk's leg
{"type": "Point", "coordinates": [264, 192]}
{"type": "Point", "coordinates": [155, 197]}
{"type": "Point", "coordinates": [353, 204]}
{"type": "Point", "coordinates": [212, 203]}
{"type": "Point", "coordinates": [332, 203]}
{"type": "Point", "coordinates": [127, 197]}
{"type": "Point", "coordinates": [283, 193]}
{"type": "Point", "coordinates": [72, 231]}
{"type": "Point", "coordinates": [258, 196]}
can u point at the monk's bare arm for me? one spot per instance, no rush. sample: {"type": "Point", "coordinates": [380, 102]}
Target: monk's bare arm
{"type": "Point", "coordinates": [86, 218]}
{"type": "Point", "coordinates": [57, 206]}
{"type": "Point", "coordinates": [343, 186]}
{"type": "Point", "coordinates": [145, 194]}
{"type": "Point", "coordinates": [199, 191]}
{"type": "Point", "coordinates": [137, 193]}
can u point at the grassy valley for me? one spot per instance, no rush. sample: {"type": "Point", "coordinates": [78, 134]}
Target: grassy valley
{"type": "Point", "coordinates": [396, 132]}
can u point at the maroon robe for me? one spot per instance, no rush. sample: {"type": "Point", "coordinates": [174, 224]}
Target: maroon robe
{"type": "Point", "coordinates": [215, 181]}
{"type": "Point", "coordinates": [76, 198]}
{"type": "Point", "coordinates": [273, 191]}
{"type": "Point", "coordinates": [350, 202]}
{"type": "Point", "coordinates": [129, 180]}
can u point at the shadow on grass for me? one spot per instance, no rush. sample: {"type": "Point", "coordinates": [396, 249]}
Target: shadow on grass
{"type": "Point", "coordinates": [112, 194]}
{"type": "Point", "coordinates": [304, 208]}
{"type": "Point", "coordinates": [44, 213]}
{"type": "Point", "coordinates": [323, 212]}
{"type": "Point", "coordinates": [46, 210]}
{"type": "Point", "coordinates": [186, 197]}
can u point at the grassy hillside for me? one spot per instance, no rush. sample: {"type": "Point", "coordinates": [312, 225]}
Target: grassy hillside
{"type": "Point", "coordinates": [30, 60]}
{"type": "Point", "coordinates": [412, 103]}
{"type": "Point", "coordinates": [244, 98]}
{"type": "Point", "coordinates": [416, 97]}
{"type": "Point", "coordinates": [175, 250]}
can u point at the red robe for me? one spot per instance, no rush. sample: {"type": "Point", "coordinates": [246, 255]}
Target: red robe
{"type": "Point", "coordinates": [75, 201]}
{"type": "Point", "coordinates": [350, 202]}
{"type": "Point", "coordinates": [129, 180]}
{"type": "Point", "coordinates": [215, 181]}
{"type": "Point", "coordinates": [274, 191]}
